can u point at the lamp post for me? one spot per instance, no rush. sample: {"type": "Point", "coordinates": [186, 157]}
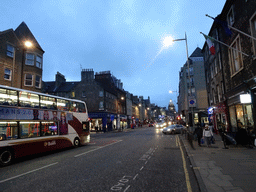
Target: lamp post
{"type": "Point", "coordinates": [167, 42]}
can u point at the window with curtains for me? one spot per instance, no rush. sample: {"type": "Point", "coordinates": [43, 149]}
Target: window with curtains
{"type": "Point", "coordinates": [28, 79]}
{"type": "Point", "coordinates": [38, 82]}
{"type": "Point", "coordinates": [7, 74]}
{"type": "Point", "coordinates": [230, 16]}
{"type": "Point", "coordinates": [235, 57]}
{"type": "Point", "coordinates": [10, 50]}
{"type": "Point", "coordinates": [29, 59]}
{"type": "Point", "coordinates": [253, 31]}
{"type": "Point", "coordinates": [39, 61]}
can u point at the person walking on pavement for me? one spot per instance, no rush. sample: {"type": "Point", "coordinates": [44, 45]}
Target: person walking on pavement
{"type": "Point", "coordinates": [207, 135]}
{"type": "Point", "coordinates": [199, 133]}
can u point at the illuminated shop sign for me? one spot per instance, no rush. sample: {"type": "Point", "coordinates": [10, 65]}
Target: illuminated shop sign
{"type": "Point", "coordinates": [245, 98]}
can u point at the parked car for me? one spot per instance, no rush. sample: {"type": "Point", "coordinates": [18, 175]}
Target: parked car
{"type": "Point", "coordinates": [172, 129]}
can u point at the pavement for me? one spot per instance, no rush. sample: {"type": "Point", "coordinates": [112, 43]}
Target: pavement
{"type": "Point", "coordinates": [218, 169]}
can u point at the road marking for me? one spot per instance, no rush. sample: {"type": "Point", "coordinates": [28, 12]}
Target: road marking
{"type": "Point", "coordinates": [185, 168]}
{"type": "Point", "coordinates": [146, 162]}
{"type": "Point", "coordinates": [27, 172]}
{"type": "Point", "coordinates": [97, 149]}
{"type": "Point", "coordinates": [127, 188]}
{"type": "Point", "coordinates": [135, 176]}
{"type": "Point", "coordinates": [141, 168]}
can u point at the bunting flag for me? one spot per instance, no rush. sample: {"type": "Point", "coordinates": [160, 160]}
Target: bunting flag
{"type": "Point", "coordinates": [210, 44]}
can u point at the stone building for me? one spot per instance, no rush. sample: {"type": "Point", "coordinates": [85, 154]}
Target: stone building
{"type": "Point", "coordinates": [231, 72]}
{"type": "Point", "coordinates": [21, 59]}
{"type": "Point", "coordinates": [192, 99]}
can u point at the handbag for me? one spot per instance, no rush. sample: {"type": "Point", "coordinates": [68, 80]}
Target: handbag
{"type": "Point", "coordinates": [202, 141]}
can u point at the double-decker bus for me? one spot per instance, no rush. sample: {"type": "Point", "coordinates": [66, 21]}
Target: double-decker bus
{"type": "Point", "coordinates": [32, 122]}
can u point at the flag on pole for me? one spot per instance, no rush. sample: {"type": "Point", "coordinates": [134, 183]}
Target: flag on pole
{"type": "Point", "coordinates": [210, 44]}
{"type": "Point", "coordinates": [224, 25]}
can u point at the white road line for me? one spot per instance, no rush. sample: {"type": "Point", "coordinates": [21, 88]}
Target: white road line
{"type": "Point", "coordinates": [97, 148]}
{"type": "Point", "coordinates": [146, 162]}
{"type": "Point", "coordinates": [127, 188]}
{"type": "Point", "coordinates": [135, 176]}
{"type": "Point", "coordinates": [27, 172]}
{"type": "Point", "coordinates": [141, 168]}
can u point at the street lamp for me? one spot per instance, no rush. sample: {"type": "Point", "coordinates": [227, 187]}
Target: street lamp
{"type": "Point", "coordinates": [168, 42]}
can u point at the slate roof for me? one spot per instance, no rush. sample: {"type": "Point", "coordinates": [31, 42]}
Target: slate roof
{"type": "Point", "coordinates": [23, 33]}
{"type": "Point", "coordinates": [49, 86]}
{"type": "Point", "coordinates": [197, 53]}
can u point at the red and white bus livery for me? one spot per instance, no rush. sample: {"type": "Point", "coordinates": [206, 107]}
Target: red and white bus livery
{"type": "Point", "coordinates": [32, 122]}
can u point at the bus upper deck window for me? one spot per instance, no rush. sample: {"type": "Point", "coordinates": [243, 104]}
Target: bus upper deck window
{"type": "Point", "coordinates": [62, 105]}
{"type": "Point", "coordinates": [28, 99]}
{"type": "Point", "coordinates": [8, 97]}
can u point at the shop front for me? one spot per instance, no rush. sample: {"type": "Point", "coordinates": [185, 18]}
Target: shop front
{"type": "Point", "coordinates": [240, 112]}
{"type": "Point", "coordinates": [218, 116]}
{"type": "Point", "coordinates": [102, 121]}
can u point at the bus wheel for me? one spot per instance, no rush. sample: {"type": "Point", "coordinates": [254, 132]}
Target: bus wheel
{"type": "Point", "coordinates": [76, 142]}
{"type": "Point", "coordinates": [6, 157]}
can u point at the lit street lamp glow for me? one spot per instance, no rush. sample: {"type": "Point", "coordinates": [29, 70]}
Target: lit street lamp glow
{"type": "Point", "coordinates": [168, 41]}
{"type": "Point", "coordinates": [28, 44]}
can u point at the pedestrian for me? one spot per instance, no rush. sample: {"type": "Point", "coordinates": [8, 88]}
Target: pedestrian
{"type": "Point", "coordinates": [199, 133]}
{"type": "Point", "coordinates": [211, 127]}
{"type": "Point", "coordinates": [207, 135]}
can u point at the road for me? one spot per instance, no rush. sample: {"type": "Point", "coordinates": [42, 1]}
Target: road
{"type": "Point", "coordinates": [136, 160]}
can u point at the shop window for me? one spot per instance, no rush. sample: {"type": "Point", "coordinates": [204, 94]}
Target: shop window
{"type": "Point", "coordinates": [73, 94]}
{"type": "Point", "coordinates": [7, 74]}
{"type": "Point", "coordinates": [240, 115]}
{"type": "Point", "coordinates": [232, 112]}
{"type": "Point", "coordinates": [248, 116]}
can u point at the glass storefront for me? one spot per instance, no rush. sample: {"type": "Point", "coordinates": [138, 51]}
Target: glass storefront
{"type": "Point", "coordinates": [240, 116]}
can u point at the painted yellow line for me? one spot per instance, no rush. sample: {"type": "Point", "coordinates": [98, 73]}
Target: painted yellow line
{"type": "Point", "coordinates": [185, 167]}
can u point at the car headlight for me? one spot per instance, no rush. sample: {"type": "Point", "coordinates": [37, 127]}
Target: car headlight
{"type": "Point", "coordinates": [168, 129]}
{"type": "Point", "coordinates": [157, 125]}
